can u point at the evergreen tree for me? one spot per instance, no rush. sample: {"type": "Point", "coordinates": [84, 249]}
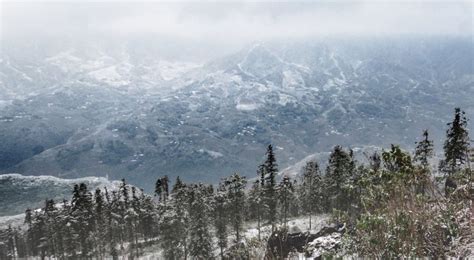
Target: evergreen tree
{"type": "Point", "coordinates": [221, 217]}
{"type": "Point", "coordinates": [424, 150]}
{"type": "Point", "coordinates": [456, 146]}
{"type": "Point", "coordinates": [270, 168]}
{"type": "Point", "coordinates": [398, 165]}
{"type": "Point", "coordinates": [146, 215]}
{"type": "Point", "coordinates": [162, 188]}
{"type": "Point", "coordinates": [200, 235]}
{"type": "Point", "coordinates": [82, 216]}
{"type": "Point", "coordinates": [174, 222]}
{"type": "Point", "coordinates": [49, 214]}
{"type": "Point", "coordinates": [456, 150]}
{"type": "Point", "coordinates": [310, 190]}
{"type": "Point", "coordinates": [235, 193]}
{"type": "Point", "coordinates": [375, 162]}
{"type": "Point", "coordinates": [286, 198]}
{"type": "Point", "coordinates": [340, 168]}
{"type": "Point", "coordinates": [255, 205]}
{"type": "Point", "coordinates": [100, 223]}
{"type": "Point", "coordinates": [29, 237]}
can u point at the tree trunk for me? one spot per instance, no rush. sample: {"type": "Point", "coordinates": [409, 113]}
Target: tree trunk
{"type": "Point", "coordinates": [310, 221]}
{"type": "Point", "coordinates": [258, 223]}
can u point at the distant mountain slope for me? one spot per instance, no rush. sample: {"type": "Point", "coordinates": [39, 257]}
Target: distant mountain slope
{"type": "Point", "coordinates": [18, 192]}
{"type": "Point", "coordinates": [208, 121]}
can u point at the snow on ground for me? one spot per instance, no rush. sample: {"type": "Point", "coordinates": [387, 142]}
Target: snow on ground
{"type": "Point", "coordinates": [211, 153]}
{"type": "Point", "coordinates": [292, 79]}
{"type": "Point", "coordinates": [173, 70]}
{"type": "Point", "coordinates": [14, 221]}
{"type": "Point", "coordinates": [294, 224]}
{"type": "Point", "coordinates": [247, 106]}
{"type": "Point", "coordinates": [42, 178]}
{"type": "Point", "coordinates": [113, 75]}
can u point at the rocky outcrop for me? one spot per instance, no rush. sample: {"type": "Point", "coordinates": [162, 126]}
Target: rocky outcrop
{"type": "Point", "coordinates": [288, 241]}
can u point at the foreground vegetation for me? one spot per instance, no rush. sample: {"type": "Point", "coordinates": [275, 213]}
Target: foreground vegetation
{"type": "Point", "coordinates": [393, 205]}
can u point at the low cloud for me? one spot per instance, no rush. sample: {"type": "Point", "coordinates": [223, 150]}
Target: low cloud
{"type": "Point", "coordinates": [237, 21]}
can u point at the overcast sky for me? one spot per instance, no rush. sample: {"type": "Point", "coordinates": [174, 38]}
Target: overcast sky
{"type": "Point", "coordinates": [236, 21]}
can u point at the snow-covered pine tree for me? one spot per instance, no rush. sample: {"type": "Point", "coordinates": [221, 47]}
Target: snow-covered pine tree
{"type": "Point", "coordinates": [423, 153]}
{"type": "Point", "coordinates": [221, 217]}
{"type": "Point", "coordinates": [338, 171]}
{"type": "Point", "coordinates": [162, 188]}
{"type": "Point", "coordinates": [200, 236]}
{"type": "Point", "coordinates": [52, 227]}
{"type": "Point", "coordinates": [310, 190]}
{"type": "Point", "coordinates": [174, 222]}
{"type": "Point", "coordinates": [285, 198]}
{"type": "Point", "coordinates": [255, 205]}
{"type": "Point", "coordinates": [83, 221]}
{"type": "Point", "coordinates": [235, 193]}
{"type": "Point", "coordinates": [270, 168]}
{"type": "Point", "coordinates": [456, 149]}
{"type": "Point", "coordinates": [100, 235]}
{"type": "Point", "coordinates": [424, 150]}
{"type": "Point", "coordinates": [132, 222]}
{"type": "Point", "coordinates": [146, 215]}
{"type": "Point", "coordinates": [456, 146]}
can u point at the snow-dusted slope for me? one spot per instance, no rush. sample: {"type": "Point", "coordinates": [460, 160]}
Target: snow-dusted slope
{"type": "Point", "coordinates": [18, 192]}
{"type": "Point", "coordinates": [139, 117]}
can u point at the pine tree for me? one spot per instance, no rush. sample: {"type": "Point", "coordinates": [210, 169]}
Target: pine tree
{"type": "Point", "coordinates": [339, 170]}
{"type": "Point", "coordinates": [100, 223]}
{"type": "Point", "coordinates": [174, 222]}
{"type": "Point", "coordinates": [70, 236]}
{"type": "Point", "coordinates": [162, 188]}
{"type": "Point", "coordinates": [456, 149]}
{"type": "Point", "coordinates": [132, 222]}
{"type": "Point", "coordinates": [424, 150]}
{"type": "Point", "coordinates": [235, 193]}
{"type": "Point", "coordinates": [199, 232]}
{"type": "Point", "coordinates": [12, 241]}
{"type": "Point", "coordinates": [146, 217]}
{"type": "Point", "coordinates": [375, 162]}
{"type": "Point", "coordinates": [311, 190]}
{"type": "Point", "coordinates": [82, 214]}
{"type": "Point", "coordinates": [255, 205]}
{"type": "Point", "coordinates": [423, 153]}
{"type": "Point", "coordinates": [49, 213]}
{"type": "Point", "coordinates": [285, 197]}
{"type": "Point", "coordinates": [456, 146]}
{"type": "Point", "coordinates": [221, 217]}
{"type": "Point", "coordinates": [270, 168]}
{"type": "Point", "coordinates": [29, 232]}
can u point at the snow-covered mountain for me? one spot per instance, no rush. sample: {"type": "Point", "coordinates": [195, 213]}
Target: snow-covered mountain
{"type": "Point", "coordinates": [90, 113]}
{"type": "Point", "coordinates": [19, 192]}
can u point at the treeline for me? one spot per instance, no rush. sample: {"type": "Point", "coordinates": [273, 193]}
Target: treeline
{"type": "Point", "coordinates": [394, 205]}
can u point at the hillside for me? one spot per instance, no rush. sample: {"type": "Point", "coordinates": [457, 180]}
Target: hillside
{"type": "Point", "coordinates": [93, 115]}
{"type": "Point", "coordinates": [20, 192]}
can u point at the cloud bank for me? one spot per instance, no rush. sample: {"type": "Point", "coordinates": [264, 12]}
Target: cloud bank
{"type": "Point", "coordinates": [236, 21]}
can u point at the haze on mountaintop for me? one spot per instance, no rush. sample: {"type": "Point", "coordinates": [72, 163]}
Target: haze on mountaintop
{"type": "Point", "coordinates": [229, 25]}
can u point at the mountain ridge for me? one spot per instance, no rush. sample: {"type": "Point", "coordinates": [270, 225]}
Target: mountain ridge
{"type": "Point", "coordinates": [303, 97]}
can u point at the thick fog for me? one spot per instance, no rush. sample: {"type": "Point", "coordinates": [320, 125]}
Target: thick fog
{"type": "Point", "coordinates": [231, 24]}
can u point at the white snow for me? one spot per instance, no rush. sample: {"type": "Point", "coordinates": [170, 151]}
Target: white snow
{"type": "Point", "coordinates": [111, 76]}
{"type": "Point", "coordinates": [173, 70]}
{"type": "Point", "coordinates": [292, 79]}
{"type": "Point", "coordinates": [211, 153]}
{"type": "Point", "coordinates": [247, 106]}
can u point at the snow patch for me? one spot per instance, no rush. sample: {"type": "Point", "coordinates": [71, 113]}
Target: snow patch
{"type": "Point", "coordinates": [247, 106]}
{"type": "Point", "coordinates": [211, 153]}
{"type": "Point", "coordinates": [110, 76]}
{"type": "Point", "coordinates": [173, 70]}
